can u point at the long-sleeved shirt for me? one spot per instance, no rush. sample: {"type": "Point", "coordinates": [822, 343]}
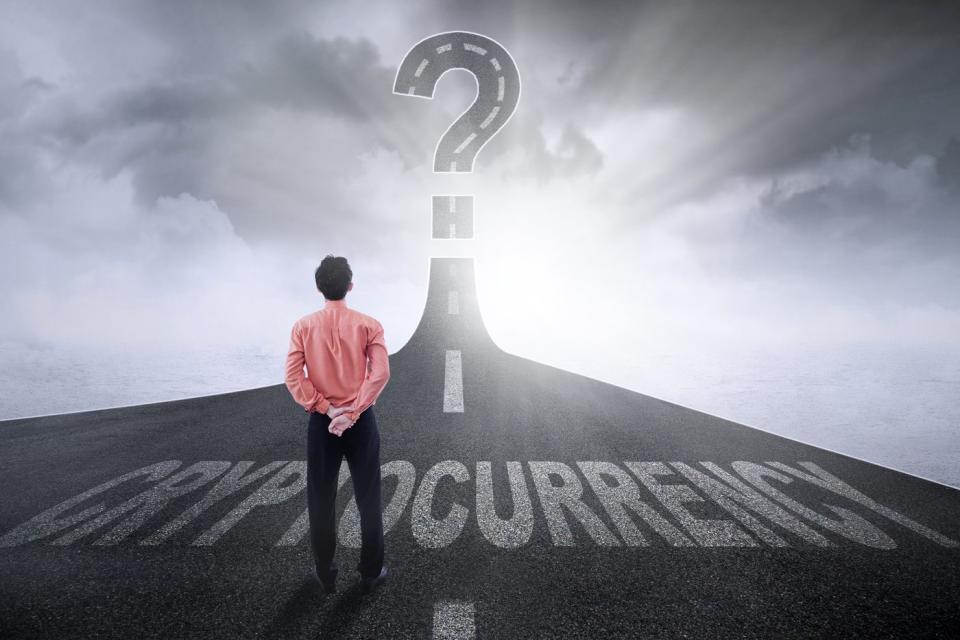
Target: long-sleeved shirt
{"type": "Point", "coordinates": [335, 344]}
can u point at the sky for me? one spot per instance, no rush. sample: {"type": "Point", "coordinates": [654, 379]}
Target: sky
{"type": "Point", "coordinates": [684, 177]}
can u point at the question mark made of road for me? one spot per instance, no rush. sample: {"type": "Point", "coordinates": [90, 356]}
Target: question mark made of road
{"type": "Point", "coordinates": [498, 92]}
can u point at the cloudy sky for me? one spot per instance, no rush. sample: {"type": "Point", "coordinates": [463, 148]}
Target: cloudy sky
{"type": "Point", "coordinates": [698, 177]}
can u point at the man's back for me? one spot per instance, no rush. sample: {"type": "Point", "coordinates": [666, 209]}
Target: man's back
{"type": "Point", "coordinates": [335, 343]}
{"type": "Point", "coordinates": [338, 390]}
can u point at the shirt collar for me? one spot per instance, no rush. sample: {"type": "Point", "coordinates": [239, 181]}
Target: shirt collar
{"type": "Point", "coordinates": [340, 304]}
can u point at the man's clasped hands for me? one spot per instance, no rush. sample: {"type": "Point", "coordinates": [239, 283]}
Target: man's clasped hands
{"type": "Point", "coordinates": [339, 420]}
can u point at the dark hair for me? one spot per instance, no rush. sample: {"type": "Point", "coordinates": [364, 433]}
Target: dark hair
{"type": "Point", "coordinates": [332, 276]}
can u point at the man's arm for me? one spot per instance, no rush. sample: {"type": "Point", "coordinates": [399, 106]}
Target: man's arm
{"type": "Point", "coordinates": [298, 383]}
{"type": "Point", "coordinates": [377, 375]}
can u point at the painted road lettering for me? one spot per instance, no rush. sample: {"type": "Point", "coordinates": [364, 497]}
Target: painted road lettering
{"type": "Point", "coordinates": [766, 504]}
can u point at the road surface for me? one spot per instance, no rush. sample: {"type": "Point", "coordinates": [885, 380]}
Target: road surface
{"type": "Point", "coordinates": [521, 501]}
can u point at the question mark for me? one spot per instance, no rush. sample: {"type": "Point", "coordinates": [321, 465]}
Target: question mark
{"type": "Point", "coordinates": [498, 92]}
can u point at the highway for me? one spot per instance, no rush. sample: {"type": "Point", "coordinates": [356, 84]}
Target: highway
{"type": "Point", "coordinates": [520, 501]}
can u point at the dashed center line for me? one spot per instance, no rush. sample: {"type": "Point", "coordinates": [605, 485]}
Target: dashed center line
{"type": "Point", "coordinates": [445, 47]}
{"type": "Point", "coordinates": [453, 229]}
{"type": "Point", "coordinates": [500, 88]}
{"type": "Point", "coordinates": [453, 620]}
{"type": "Point", "coordinates": [489, 119]}
{"type": "Point", "coordinates": [465, 143]}
{"type": "Point", "coordinates": [474, 48]}
{"type": "Point", "coordinates": [423, 65]}
{"type": "Point", "coordinates": [453, 383]}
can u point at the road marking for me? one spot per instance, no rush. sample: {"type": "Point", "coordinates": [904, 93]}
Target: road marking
{"type": "Point", "coordinates": [453, 166]}
{"type": "Point", "coordinates": [495, 63]}
{"type": "Point", "coordinates": [446, 47]}
{"type": "Point", "coordinates": [423, 65]}
{"type": "Point", "coordinates": [236, 479]}
{"type": "Point", "coordinates": [430, 532]}
{"type": "Point", "coordinates": [453, 204]}
{"type": "Point", "coordinates": [148, 503]}
{"type": "Point", "coordinates": [453, 620]}
{"type": "Point", "coordinates": [276, 490]}
{"type": "Point", "coordinates": [453, 383]}
{"type": "Point", "coordinates": [453, 304]}
{"type": "Point", "coordinates": [569, 494]}
{"type": "Point", "coordinates": [411, 90]}
{"type": "Point", "coordinates": [453, 230]}
{"type": "Point", "coordinates": [747, 491]}
{"type": "Point", "coordinates": [489, 119]}
{"type": "Point", "coordinates": [500, 82]}
{"type": "Point", "coordinates": [505, 533]}
{"type": "Point", "coordinates": [474, 48]}
{"type": "Point", "coordinates": [465, 143]}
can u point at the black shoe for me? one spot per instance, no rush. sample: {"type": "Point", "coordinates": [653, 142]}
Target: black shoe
{"type": "Point", "coordinates": [329, 584]}
{"type": "Point", "coordinates": [369, 584]}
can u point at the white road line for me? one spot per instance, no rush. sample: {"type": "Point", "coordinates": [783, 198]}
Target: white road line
{"type": "Point", "coordinates": [453, 204]}
{"type": "Point", "coordinates": [500, 88]}
{"type": "Point", "coordinates": [465, 143]}
{"type": "Point", "coordinates": [423, 65]}
{"type": "Point", "coordinates": [453, 166]}
{"type": "Point", "coordinates": [446, 47]}
{"type": "Point", "coordinates": [495, 63]}
{"type": "Point", "coordinates": [411, 91]}
{"type": "Point", "coordinates": [453, 620]}
{"type": "Point", "coordinates": [474, 48]}
{"type": "Point", "coordinates": [453, 383]}
{"type": "Point", "coordinates": [453, 303]}
{"type": "Point", "coordinates": [453, 230]}
{"type": "Point", "coordinates": [489, 119]}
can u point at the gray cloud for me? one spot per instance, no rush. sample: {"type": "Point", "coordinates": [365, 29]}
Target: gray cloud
{"type": "Point", "coordinates": [948, 166]}
{"type": "Point", "coordinates": [169, 163]}
{"type": "Point", "coordinates": [778, 82]}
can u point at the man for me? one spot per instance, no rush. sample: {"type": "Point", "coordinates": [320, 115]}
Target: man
{"type": "Point", "coordinates": [338, 392]}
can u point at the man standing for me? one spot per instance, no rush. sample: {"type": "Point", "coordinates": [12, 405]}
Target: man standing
{"type": "Point", "coordinates": [338, 392]}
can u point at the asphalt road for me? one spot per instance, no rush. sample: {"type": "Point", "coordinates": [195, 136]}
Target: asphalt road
{"type": "Point", "coordinates": [521, 501]}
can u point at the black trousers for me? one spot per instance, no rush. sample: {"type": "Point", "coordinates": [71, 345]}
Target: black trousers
{"type": "Point", "coordinates": [360, 444]}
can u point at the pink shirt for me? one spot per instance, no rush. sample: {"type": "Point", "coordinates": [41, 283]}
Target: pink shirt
{"type": "Point", "coordinates": [335, 344]}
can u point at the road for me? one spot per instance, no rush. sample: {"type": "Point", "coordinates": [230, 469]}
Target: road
{"type": "Point", "coordinates": [521, 501]}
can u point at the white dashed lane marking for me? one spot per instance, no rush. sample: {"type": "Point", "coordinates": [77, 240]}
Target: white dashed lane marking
{"type": "Point", "coordinates": [423, 65]}
{"type": "Point", "coordinates": [500, 88]}
{"type": "Point", "coordinates": [453, 229]}
{"type": "Point", "coordinates": [465, 143]}
{"type": "Point", "coordinates": [489, 118]}
{"type": "Point", "coordinates": [453, 620]}
{"type": "Point", "coordinates": [474, 48]}
{"type": "Point", "coordinates": [453, 383]}
{"type": "Point", "coordinates": [453, 303]}
{"type": "Point", "coordinates": [445, 47]}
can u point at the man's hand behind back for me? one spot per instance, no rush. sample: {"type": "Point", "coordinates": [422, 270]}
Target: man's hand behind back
{"type": "Point", "coordinates": [333, 412]}
{"type": "Point", "coordinates": [339, 422]}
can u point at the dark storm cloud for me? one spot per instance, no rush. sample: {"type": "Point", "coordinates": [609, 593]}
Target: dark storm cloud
{"type": "Point", "coordinates": [948, 167]}
{"type": "Point", "coordinates": [21, 174]}
{"type": "Point", "coordinates": [779, 81]}
{"type": "Point", "coordinates": [223, 66]}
